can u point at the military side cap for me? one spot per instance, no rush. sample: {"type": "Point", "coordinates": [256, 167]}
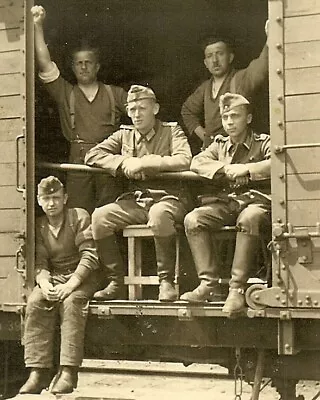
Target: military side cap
{"type": "Point", "coordinates": [229, 101]}
{"type": "Point", "coordinates": [49, 185]}
{"type": "Point", "coordinates": [138, 92]}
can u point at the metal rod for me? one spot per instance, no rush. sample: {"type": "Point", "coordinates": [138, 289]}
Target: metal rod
{"type": "Point", "coordinates": [258, 376]}
{"type": "Point", "coordinates": [279, 149]}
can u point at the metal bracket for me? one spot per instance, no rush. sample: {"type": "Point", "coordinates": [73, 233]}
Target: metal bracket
{"type": "Point", "coordinates": [304, 244]}
{"type": "Point", "coordinates": [286, 337]}
{"type": "Point", "coordinates": [104, 312]}
{"type": "Point", "coordinates": [185, 314]}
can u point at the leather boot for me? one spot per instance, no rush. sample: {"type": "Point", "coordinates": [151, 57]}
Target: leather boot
{"type": "Point", "coordinates": [38, 380]}
{"type": "Point", "coordinates": [111, 261]}
{"type": "Point", "coordinates": [66, 381]}
{"type": "Point", "coordinates": [243, 261]}
{"type": "Point", "coordinates": [203, 252]}
{"type": "Point", "coordinates": [166, 258]}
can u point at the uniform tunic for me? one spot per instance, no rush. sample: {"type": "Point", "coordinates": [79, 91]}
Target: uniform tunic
{"type": "Point", "coordinates": [202, 109]}
{"type": "Point", "coordinates": [93, 123]}
{"type": "Point", "coordinates": [164, 148]}
{"type": "Point", "coordinates": [58, 257]}
{"type": "Point", "coordinates": [248, 206]}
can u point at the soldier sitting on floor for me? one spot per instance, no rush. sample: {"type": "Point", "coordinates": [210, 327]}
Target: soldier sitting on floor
{"type": "Point", "coordinates": [66, 277]}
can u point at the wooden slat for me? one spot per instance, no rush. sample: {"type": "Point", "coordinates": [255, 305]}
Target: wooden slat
{"type": "Point", "coordinates": [303, 107]}
{"type": "Point", "coordinates": [10, 198]}
{"type": "Point", "coordinates": [303, 187]}
{"type": "Point", "coordinates": [8, 174]}
{"type": "Point", "coordinates": [303, 161]}
{"type": "Point", "coordinates": [11, 107]}
{"type": "Point", "coordinates": [301, 7]}
{"type": "Point", "coordinates": [303, 132]}
{"type": "Point", "coordinates": [7, 265]}
{"type": "Point", "coordinates": [10, 220]}
{"type": "Point", "coordinates": [10, 39]}
{"type": "Point", "coordinates": [302, 29]}
{"type": "Point", "coordinates": [302, 81]}
{"type": "Point", "coordinates": [303, 55]}
{"type": "Point", "coordinates": [10, 84]}
{"type": "Point", "coordinates": [9, 244]}
{"type": "Point", "coordinates": [11, 15]}
{"type": "Point", "coordinates": [10, 129]}
{"type": "Point", "coordinates": [304, 212]}
{"type": "Point", "coordinates": [10, 62]}
{"type": "Point", "coordinates": [8, 152]}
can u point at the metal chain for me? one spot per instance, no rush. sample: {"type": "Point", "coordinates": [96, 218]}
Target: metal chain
{"type": "Point", "coordinates": [238, 376]}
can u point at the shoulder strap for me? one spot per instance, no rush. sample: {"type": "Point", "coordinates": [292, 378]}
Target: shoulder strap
{"type": "Point", "coordinates": [112, 103]}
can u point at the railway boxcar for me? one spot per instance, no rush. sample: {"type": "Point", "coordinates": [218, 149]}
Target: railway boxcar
{"type": "Point", "coordinates": [278, 336]}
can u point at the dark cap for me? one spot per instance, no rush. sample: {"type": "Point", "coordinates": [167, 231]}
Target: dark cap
{"type": "Point", "coordinates": [49, 185]}
{"type": "Point", "coordinates": [138, 92]}
{"type": "Point", "coordinates": [229, 101]}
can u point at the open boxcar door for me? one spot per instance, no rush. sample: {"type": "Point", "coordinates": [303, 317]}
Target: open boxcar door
{"type": "Point", "coordinates": [16, 161]}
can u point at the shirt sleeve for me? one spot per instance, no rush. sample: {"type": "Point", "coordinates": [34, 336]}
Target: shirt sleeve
{"type": "Point", "coordinates": [85, 243]}
{"type": "Point", "coordinates": [206, 163]}
{"type": "Point", "coordinates": [179, 160]}
{"type": "Point", "coordinates": [192, 110]}
{"type": "Point", "coordinates": [248, 80]}
{"type": "Point", "coordinates": [107, 154]}
{"type": "Point", "coordinates": [51, 75]}
{"type": "Point", "coordinates": [262, 169]}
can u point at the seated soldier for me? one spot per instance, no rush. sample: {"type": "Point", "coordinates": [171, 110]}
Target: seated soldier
{"type": "Point", "coordinates": [242, 161]}
{"type": "Point", "coordinates": [140, 152]}
{"type": "Point", "coordinates": [65, 260]}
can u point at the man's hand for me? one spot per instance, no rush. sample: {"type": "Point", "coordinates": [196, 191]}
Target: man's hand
{"type": "Point", "coordinates": [63, 290]}
{"type": "Point", "coordinates": [48, 291]}
{"type": "Point", "coordinates": [234, 171]}
{"type": "Point", "coordinates": [132, 168]}
{"type": "Point", "coordinates": [39, 14]}
{"type": "Point", "coordinates": [200, 132]}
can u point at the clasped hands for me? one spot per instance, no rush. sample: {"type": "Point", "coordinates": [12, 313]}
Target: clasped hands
{"type": "Point", "coordinates": [55, 293]}
{"type": "Point", "coordinates": [238, 173]}
{"type": "Point", "coordinates": [135, 167]}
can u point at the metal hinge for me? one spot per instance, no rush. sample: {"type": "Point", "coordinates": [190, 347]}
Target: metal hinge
{"type": "Point", "coordinates": [185, 314]}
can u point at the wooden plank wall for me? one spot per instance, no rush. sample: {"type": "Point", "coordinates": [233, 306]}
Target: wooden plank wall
{"type": "Point", "coordinates": [302, 109]}
{"type": "Point", "coordinates": [12, 114]}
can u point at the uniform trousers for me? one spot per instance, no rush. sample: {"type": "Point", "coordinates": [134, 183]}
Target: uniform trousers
{"type": "Point", "coordinates": [42, 317]}
{"type": "Point", "coordinates": [160, 217]}
{"type": "Point", "coordinates": [250, 220]}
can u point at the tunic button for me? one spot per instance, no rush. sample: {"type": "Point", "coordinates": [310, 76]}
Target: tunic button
{"type": "Point", "coordinates": [211, 137]}
{"type": "Point", "coordinates": [251, 158]}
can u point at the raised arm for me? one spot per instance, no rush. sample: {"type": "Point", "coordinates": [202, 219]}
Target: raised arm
{"type": "Point", "coordinates": [42, 52]}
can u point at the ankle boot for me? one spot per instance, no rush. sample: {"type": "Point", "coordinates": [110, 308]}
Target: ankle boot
{"type": "Point", "coordinates": [166, 259]}
{"type": "Point", "coordinates": [111, 261]}
{"type": "Point", "coordinates": [205, 260]}
{"type": "Point", "coordinates": [243, 261]}
{"type": "Point", "coordinates": [204, 293]}
{"type": "Point", "coordinates": [66, 381]}
{"type": "Point", "coordinates": [38, 380]}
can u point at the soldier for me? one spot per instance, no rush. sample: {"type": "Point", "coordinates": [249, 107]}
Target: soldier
{"type": "Point", "coordinates": [89, 112]}
{"type": "Point", "coordinates": [140, 152]}
{"type": "Point", "coordinates": [242, 160]}
{"type": "Point", "coordinates": [200, 112]}
{"type": "Point", "coordinates": [66, 264]}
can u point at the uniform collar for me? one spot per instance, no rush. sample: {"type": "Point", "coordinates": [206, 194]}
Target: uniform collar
{"type": "Point", "coordinates": [149, 135]}
{"type": "Point", "coordinates": [247, 142]}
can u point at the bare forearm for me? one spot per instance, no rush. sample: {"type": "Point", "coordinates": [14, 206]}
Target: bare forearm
{"type": "Point", "coordinates": [42, 52]}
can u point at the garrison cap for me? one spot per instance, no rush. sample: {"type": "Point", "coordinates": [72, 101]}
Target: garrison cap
{"type": "Point", "coordinates": [49, 185]}
{"type": "Point", "coordinates": [230, 100]}
{"type": "Point", "coordinates": [138, 92]}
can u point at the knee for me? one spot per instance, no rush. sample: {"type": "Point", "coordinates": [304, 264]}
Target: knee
{"type": "Point", "coordinates": [192, 222]}
{"type": "Point", "coordinates": [101, 218]}
{"type": "Point", "coordinates": [75, 300]}
{"type": "Point", "coordinates": [250, 221]}
{"type": "Point", "coordinates": [160, 221]}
